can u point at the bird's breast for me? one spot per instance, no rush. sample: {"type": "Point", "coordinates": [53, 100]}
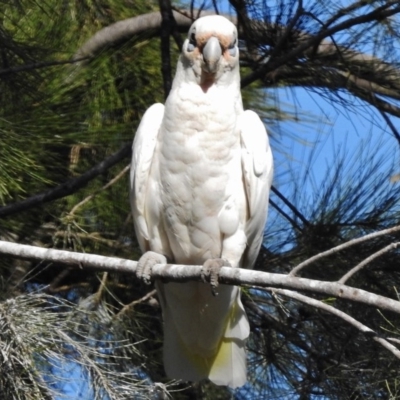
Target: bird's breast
{"type": "Point", "coordinates": [202, 191]}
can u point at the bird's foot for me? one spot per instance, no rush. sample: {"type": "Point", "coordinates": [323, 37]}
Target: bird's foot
{"type": "Point", "coordinates": [146, 263]}
{"type": "Point", "coordinates": [211, 268]}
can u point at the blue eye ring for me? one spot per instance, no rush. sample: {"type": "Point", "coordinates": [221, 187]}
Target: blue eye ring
{"type": "Point", "coordinates": [192, 42]}
{"type": "Point", "coordinates": [232, 49]}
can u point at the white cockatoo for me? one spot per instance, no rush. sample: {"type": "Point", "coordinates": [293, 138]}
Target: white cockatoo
{"type": "Point", "coordinates": [200, 179]}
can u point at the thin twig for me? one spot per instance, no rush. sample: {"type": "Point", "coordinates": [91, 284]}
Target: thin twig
{"type": "Point", "coordinates": [131, 305]}
{"type": "Point", "coordinates": [288, 31]}
{"type": "Point", "coordinates": [290, 205]}
{"type": "Point", "coordinates": [96, 192]}
{"type": "Point", "coordinates": [369, 259]}
{"type": "Point", "coordinates": [326, 307]}
{"type": "Point", "coordinates": [95, 236]}
{"type": "Point", "coordinates": [390, 125]}
{"type": "Point", "coordinates": [65, 288]}
{"type": "Point", "coordinates": [53, 287]}
{"type": "Point", "coordinates": [69, 187]}
{"type": "Point", "coordinates": [286, 215]}
{"type": "Point", "coordinates": [102, 287]}
{"type": "Point", "coordinates": [341, 247]}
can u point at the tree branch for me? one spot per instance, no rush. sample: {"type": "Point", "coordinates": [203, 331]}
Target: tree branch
{"type": "Point", "coordinates": [126, 29]}
{"type": "Point", "coordinates": [290, 205]}
{"type": "Point", "coordinates": [365, 262]}
{"type": "Point", "coordinates": [95, 193]}
{"type": "Point", "coordinates": [167, 25]}
{"type": "Point", "coordinates": [352, 321]}
{"type": "Point", "coordinates": [327, 64]}
{"type": "Point", "coordinates": [308, 75]}
{"type": "Point", "coordinates": [66, 188]}
{"type": "Point", "coordinates": [184, 273]}
{"type": "Point", "coordinates": [341, 247]}
{"type": "Point", "coordinates": [286, 215]}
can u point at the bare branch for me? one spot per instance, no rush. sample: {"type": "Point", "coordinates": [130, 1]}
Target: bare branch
{"type": "Point", "coordinates": [352, 321]}
{"type": "Point", "coordinates": [310, 76]}
{"type": "Point", "coordinates": [105, 187]}
{"type": "Point", "coordinates": [184, 273]}
{"type": "Point", "coordinates": [345, 11]}
{"type": "Point", "coordinates": [380, 104]}
{"type": "Point", "coordinates": [369, 259]}
{"type": "Point", "coordinates": [128, 28]}
{"type": "Point", "coordinates": [341, 247]}
{"type": "Point", "coordinates": [130, 306]}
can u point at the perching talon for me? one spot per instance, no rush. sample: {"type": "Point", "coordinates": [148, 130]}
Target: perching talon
{"type": "Point", "coordinates": [211, 268]}
{"type": "Point", "coordinates": [146, 263]}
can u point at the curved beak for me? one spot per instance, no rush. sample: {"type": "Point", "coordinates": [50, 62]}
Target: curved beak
{"type": "Point", "coordinates": [211, 54]}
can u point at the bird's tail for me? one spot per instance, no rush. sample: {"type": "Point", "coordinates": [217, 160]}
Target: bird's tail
{"type": "Point", "coordinates": [204, 336]}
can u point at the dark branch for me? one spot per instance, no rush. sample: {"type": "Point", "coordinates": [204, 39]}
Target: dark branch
{"type": "Point", "coordinates": [66, 188]}
{"type": "Point", "coordinates": [166, 29]}
{"type": "Point", "coordinates": [290, 205]}
{"type": "Point", "coordinates": [30, 67]}
{"type": "Point", "coordinates": [285, 215]}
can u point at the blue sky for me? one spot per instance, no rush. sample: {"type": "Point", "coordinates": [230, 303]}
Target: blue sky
{"type": "Point", "coordinates": [334, 132]}
{"type": "Point", "coordinates": [335, 127]}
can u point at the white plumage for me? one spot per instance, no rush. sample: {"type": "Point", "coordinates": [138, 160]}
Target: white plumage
{"type": "Point", "coordinates": [200, 179]}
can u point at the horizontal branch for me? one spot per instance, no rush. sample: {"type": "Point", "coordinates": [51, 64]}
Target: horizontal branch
{"type": "Point", "coordinates": [183, 273]}
{"type": "Point", "coordinates": [309, 77]}
{"type": "Point", "coordinates": [124, 30]}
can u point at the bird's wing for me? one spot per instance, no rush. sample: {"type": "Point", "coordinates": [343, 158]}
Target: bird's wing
{"type": "Point", "coordinates": [257, 165]}
{"type": "Point", "coordinates": [143, 150]}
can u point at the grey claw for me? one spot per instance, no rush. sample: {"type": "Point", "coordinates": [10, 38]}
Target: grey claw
{"type": "Point", "coordinates": [211, 268]}
{"type": "Point", "coordinates": [146, 263]}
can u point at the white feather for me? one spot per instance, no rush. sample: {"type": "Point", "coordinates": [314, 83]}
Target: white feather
{"type": "Point", "coordinates": [257, 164]}
{"type": "Point", "coordinates": [200, 178]}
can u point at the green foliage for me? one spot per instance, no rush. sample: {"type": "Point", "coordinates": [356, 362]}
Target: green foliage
{"type": "Point", "coordinates": [61, 120]}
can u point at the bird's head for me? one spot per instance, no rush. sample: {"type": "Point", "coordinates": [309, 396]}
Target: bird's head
{"type": "Point", "coordinates": [211, 49]}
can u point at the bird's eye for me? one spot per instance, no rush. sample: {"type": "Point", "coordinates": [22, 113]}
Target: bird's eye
{"type": "Point", "coordinates": [192, 42]}
{"type": "Point", "coordinates": [233, 48]}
